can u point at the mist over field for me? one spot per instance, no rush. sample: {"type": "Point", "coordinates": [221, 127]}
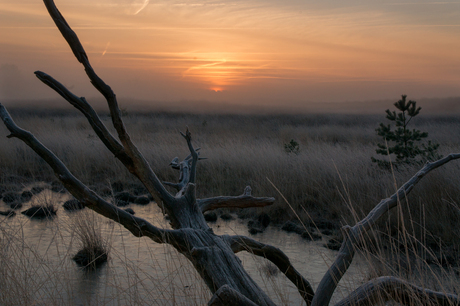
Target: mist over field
{"type": "Point", "coordinates": [430, 106]}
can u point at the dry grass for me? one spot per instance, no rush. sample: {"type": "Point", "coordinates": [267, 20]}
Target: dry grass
{"type": "Point", "coordinates": [331, 174]}
{"type": "Point", "coordinates": [403, 247]}
{"type": "Point", "coordinates": [406, 257]}
{"type": "Point", "coordinates": [93, 248]}
{"type": "Point", "coordinates": [331, 178]}
{"type": "Point", "coordinates": [37, 268]}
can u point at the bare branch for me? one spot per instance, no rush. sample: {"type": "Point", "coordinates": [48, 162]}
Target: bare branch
{"type": "Point", "coordinates": [352, 235]}
{"type": "Point", "coordinates": [247, 191]}
{"type": "Point", "coordinates": [389, 288]}
{"type": "Point", "coordinates": [226, 296]}
{"type": "Point", "coordinates": [174, 185]}
{"type": "Point", "coordinates": [141, 166]}
{"type": "Point", "coordinates": [82, 105]}
{"type": "Point", "coordinates": [243, 201]}
{"type": "Point", "coordinates": [184, 177]}
{"type": "Point", "coordinates": [175, 163]}
{"type": "Point", "coordinates": [277, 257]}
{"type": "Point", "coordinates": [77, 49]}
{"type": "Point", "coordinates": [139, 227]}
{"type": "Point", "coordinates": [187, 167]}
{"type": "Point", "coordinates": [194, 155]}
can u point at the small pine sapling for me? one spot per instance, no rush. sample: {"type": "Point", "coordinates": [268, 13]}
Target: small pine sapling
{"type": "Point", "coordinates": [402, 142]}
{"type": "Point", "coordinates": [292, 147]}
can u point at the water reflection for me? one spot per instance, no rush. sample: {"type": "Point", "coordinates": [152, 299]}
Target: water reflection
{"type": "Point", "coordinates": [310, 258]}
{"type": "Point", "coordinates": [88, 285]}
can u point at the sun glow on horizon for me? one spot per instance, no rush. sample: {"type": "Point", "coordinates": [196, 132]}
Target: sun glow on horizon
{"type": "Point", "coordinates": [217, 89]}
{"type": "Point", "coordinates": [211, 71]}
{"type": "Point", "coordinates": [236, 70]}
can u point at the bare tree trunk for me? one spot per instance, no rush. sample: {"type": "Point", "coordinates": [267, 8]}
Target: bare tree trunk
{"type": "Point", "coordinates": [213, 256]}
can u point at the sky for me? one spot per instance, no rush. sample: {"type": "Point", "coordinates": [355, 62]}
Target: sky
{"type": "Point", "coordinates": [245, 52]}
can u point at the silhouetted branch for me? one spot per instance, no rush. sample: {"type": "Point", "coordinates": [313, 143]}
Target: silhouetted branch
{"type": "Point", "coordinates": [141, 167]}
{"type": "Point", "coordinates": [278, 258]}
{"type": "Point", "coordinates": [83, 106]}
{"type": "Point", "coordinates": [174, 185]}
{"type": "Point", "coordinates": [194, 155]}
{"type": "Point", "coordinates": [242, 201]}
{"type": "Point", "coordinates": [352, 235]}
{"type": "Point", "coordinates": [139, 227]}
{"type": "Point", "coordinates": [389, 288]}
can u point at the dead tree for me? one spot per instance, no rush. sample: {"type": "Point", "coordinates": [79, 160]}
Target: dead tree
{"type": "Point", "coordinates": [212, 256]}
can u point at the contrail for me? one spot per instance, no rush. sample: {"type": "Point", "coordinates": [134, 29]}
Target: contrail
{"type": "Point", "coordinates": [106, 47]}
{"type": "Point", "coordinates": [146, 2]}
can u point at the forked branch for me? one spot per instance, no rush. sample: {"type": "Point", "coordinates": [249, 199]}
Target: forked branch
{"type": "Point", "coordinates": [352, 235]}
{"type": "Point", "coordinates": [86, 109]}
{"type": "Point", "coordinates": [194, 155]}
{"type": "Point", "coordinates": [141, 166]}
{"type": "Point", "coordinates": [137, 226]}
{"type": "Point", "coordinates": [187, 167]}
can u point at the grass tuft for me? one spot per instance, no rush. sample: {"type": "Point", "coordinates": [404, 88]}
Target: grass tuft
{"type": "Point", "coordinates": [94, 248]}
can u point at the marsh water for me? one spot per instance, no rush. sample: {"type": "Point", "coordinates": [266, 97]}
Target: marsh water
{"type": "Point", "coordinates": [37, 262]}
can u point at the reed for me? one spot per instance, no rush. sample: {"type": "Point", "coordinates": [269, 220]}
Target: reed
{"type": "Point", "coordinates": [333, 159]}
{"type": "Point", "coordinates": [37, 267]}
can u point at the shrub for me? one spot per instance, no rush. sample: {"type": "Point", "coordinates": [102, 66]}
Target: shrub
{"type": "Point", "coordinates": [402, 142]}
{"type": "Point", "coordinates": [292, 147]}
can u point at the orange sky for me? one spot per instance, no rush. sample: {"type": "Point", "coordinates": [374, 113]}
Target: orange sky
{"type": "Point", "coordinates": [248, 52]}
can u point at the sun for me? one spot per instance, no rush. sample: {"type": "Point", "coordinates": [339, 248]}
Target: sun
{"type": "Point", "coordinates": [216, 89]}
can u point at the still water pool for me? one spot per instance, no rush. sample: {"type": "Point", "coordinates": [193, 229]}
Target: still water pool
{"type": "Point", "coordinates": [37, 266]}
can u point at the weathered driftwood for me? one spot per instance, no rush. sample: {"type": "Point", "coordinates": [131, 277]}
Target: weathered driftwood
{"type": "Point", "coordinates": [353, 235]}
{"type": "Point", "coordinates": [388, 288]}
{"type": "Point", "coordinates": [213, 256]}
